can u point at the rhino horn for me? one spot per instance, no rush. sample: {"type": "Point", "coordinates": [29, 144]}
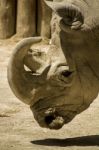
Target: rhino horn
{"type": "Point", "coordinates": [22, 82]}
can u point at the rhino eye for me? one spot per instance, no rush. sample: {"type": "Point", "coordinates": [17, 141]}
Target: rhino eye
{"type": "Point", "coordinates": [66, 73]}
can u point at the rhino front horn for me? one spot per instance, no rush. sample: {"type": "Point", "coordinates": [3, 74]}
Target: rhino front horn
{"type": "Point", "coordinates": [22, 82]}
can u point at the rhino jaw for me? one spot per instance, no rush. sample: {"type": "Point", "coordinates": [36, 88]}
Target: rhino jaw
{"type": "Point", "coordinates": [49, 118]}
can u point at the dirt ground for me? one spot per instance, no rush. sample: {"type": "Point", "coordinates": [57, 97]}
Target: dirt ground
{"type": "Point", "coordinates": [19, 130]}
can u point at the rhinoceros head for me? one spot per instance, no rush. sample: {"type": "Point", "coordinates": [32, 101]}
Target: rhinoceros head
{"type": "Point", "coordinates": [63, 78]}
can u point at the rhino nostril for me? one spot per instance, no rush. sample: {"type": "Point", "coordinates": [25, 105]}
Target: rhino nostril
{"type": "Point", "coordinates": [54, 122]}
{"type": "Point", "coordinates": [66, 73]}
{"type": "Point", "coordinates": [49, 119]}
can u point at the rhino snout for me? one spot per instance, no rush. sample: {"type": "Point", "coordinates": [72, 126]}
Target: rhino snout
{"type": "Point", "coordinates": [49, 118]}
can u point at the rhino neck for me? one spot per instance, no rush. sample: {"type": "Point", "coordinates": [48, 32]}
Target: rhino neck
{"type": "Point", "coordinates": [83, 49]}
{"type": "Point", "coordinates": [83, 53]}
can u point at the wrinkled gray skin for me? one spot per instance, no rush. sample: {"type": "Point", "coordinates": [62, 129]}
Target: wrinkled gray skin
{"type": "Point", "coordinates": [64, 79]}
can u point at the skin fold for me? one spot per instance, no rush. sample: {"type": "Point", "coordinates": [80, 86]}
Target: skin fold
{"type": "Point", "coordinates": [62, 79]}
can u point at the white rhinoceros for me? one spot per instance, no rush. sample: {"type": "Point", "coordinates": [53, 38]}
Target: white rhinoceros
{"type": "Point", "coordinates": [64, 76]}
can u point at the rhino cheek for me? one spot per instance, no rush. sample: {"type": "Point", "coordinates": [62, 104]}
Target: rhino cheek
{"type": "Point", "coordinates": [54, 112]}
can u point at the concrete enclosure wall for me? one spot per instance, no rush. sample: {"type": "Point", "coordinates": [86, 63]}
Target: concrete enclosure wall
{"type": "Point", "coordinates": [24, 18]}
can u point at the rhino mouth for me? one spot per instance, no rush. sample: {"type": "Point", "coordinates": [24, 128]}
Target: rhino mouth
{"type": "Point", "coordinates": [53, 117]}
{"type": "Point", "coordinates": [54, 122]}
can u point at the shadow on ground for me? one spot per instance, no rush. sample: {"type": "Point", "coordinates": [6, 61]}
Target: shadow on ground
{"type": "Point", "coordinates": [92, 140]}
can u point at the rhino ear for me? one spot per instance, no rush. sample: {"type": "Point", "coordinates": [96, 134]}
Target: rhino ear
{"type": "Point", "coordinates": [52, 5]}
{"type": "Point", "coordinates": [49, 3]}
{"type": "Point", "coordinates": [57, 7]}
